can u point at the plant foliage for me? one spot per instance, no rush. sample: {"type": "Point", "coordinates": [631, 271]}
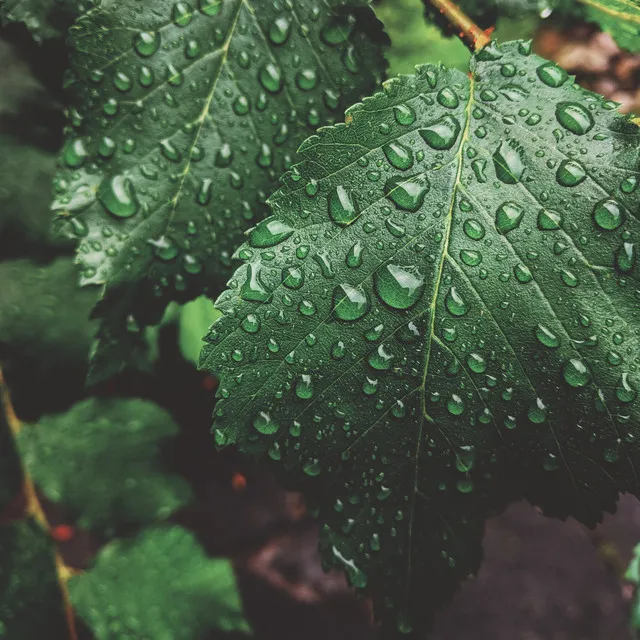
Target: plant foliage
{"type": "Point", "coordinates": [183, 119]}
{"type": "Point", "coordinates": [441, 316]}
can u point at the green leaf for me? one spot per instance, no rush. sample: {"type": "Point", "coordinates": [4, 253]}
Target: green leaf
{"type": "Point", "coordinates": [453, 322]}
{"type": "Point", "coordinates": [160, 585]}
{"type": "Point", "coordinates": [45, 19]}
{"type": "Point", "coordinates": [31, 604]}
{"type": "Point", "coordinates": [102, 460]}
{"type": "Point", "coordinates": [183, 119]}
{"type": "Point", "coordinates": [620, 18]}
{"type": "Point", "coordinates": [633, 575]}
{"type": "Point", "coordinates": [43, 313]}
{"type": "Point", "coordinates": [195, 319]}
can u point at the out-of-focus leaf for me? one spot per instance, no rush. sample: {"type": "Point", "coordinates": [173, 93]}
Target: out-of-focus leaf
{"type": "Point", "coordinates": [102, 460]}
{"type": "Point", "coordinates": [620, 18]}
{"type": "Point", "coordinates": [160, 585]}
{"type": "Point", "coordinates": [44, 313]}
{"type": "Point", "coordinates": [195, 319]}
{"type": "Point", "coordinates": [45, 19]}
{"type": "Point", "coordinates": [31, 604]}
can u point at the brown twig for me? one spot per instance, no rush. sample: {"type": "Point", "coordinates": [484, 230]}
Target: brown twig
{"type": "Point", "coordinates": [34, 509]}
{"type": "Point", "coordinates": [468, 31]}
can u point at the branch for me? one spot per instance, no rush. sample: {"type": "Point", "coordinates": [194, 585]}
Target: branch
{"type": "Point", "coordinates": [34, 508]}
{"type": "Point", "coordinates": [468, 31]}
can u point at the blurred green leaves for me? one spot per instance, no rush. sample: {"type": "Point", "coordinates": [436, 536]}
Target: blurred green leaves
{"type": "Point", "coordinates": [102, 459]}
{"type": "Point", "coordinates": [160, 586]}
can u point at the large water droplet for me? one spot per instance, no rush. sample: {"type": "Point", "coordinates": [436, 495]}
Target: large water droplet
{"type": "Point", "coordinates": [455, 303]}
{"type": "Point", "coordinates": [576, 373]}
{"type": "Point", "coordinates": [408, 193]}
{"type": "Point", "coordinates": [547, 337]}
{"type": "Point", "coordinates": [508, 217]}
{"type": "Point", "coordinates": [118, 196]}
{"type": "Point", "coordinates": [570, 173]}
{"type": "Point", "coordinates": [270, 77]}
{"type": "Point", "coordinates": [398, 155]}
{"type": "Point", "coordinates": [292, 277]}
{"type": "Point", "coordinates": [146, 43]}
{"type": "Point", "coordinates": [304, 387]}
{"type": "Point", "coordinates": [626, 257]}
{"type": "Point", "coordinates": [269, 233]}
{"type": "Point", "coordinates": [552, 75]}
{"type": "Point", "coordinates": [626, 391]}
{"type": "Point", "coordinates": [442, 134]}
{"type": "Point", "coordinates": [343, 206]}
{"type": "Point", "coordinates": [608, 214]}
{"type": "Point", "coordinates": [263, 423]}
{"type": "Point", "coordinates": [508, 162]}
{"type": "Point", "coordinates": [399, 286]}
{"type": "Point", "coordinates": [574, 117]}
{"type": "Point", "coordinates": [349, 303]}
{"type": "Point", "coordinates": [381, 359]}
{"type": "Point", "coordinates": [280, 29]}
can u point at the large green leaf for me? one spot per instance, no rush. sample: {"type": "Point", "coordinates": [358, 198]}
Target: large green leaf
{"type": "Point", "coordinates": [182, 121]}
{"type": "Point", "coordinates": [442, 315]}
{"type": "Point", "coordinates": [31, 604]}
{"type": "Point", "coordinates": [101, 459]}
{"type": "Point", "coordinates": [160, 585]}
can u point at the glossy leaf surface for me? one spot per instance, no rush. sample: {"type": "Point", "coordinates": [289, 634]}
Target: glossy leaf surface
{"type": "Point", "coordinates": [441, 316]}
{"type": "Point", "coordinates": [184, 116]}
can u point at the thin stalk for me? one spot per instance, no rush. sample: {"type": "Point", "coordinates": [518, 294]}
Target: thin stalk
{"type": "Point", "coordinates": [468, 31]}
{"type": "Point", "coordinates": [34, 508]}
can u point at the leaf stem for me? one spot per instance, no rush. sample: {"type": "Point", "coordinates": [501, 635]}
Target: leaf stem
{"type": "Point", "coordinates": [34, 508]}
{"type": "Point", "coordinates": [468, 31]}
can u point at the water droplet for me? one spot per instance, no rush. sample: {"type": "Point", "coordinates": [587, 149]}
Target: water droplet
{"type": "Point", "coordinates": [455, 304]}
{"type": "Point", "coordinates": [146, 43]}
{"type": "Point", "coordinates": [537, 412]}
{"type": "Point", "coordinates": [118, 196]}
{"type": "Point", "coordinates": [253, 290]}
{"type": "Point", "coordinates": [447, 98]}
{"type": "Point", "coordinates": [75, 153]}
{"type": "Point", "coordinates": [442, 134]}
{"type": "Point", "coordinates": [349, 303]}
{"type": "Point", "coordinates": [476, 363]}
{"type": "Point", "coordinates": [354, 256]}
{"type": "Point", "coordinates": [608, 214]}
{"type": "Point", "coordinates": [549, 220]}
{"type": "Point", "coordinates": [508, 217]}
{"type": "Point", "coordinates": [304, 387]}
{"type": "Point", "coordinates": [574, 117]}
{"type": "Point", "coordinates": [343, 206]}
{"type": "Point", "coordinates": [404, 114]}
{"type": "Point", "coordinates": [251, 324]}
{"type": "Point", "coordinates": [473, 229]}
{"type": "Point", "coordinates": [508, 162]}
{"type": "Point", "coordinates": [547, 337]}
{"type": "Point", "coordinates": [269, 233]}
{"type": "Point", "coordinates": [408, 193]}
{"type": "Point", "coordinates": [625, 391]}
{"type": "Point", "coordinates": [576, 373]}
{"type": "Point", "coordinates": [626, 257]}
{"type": "Point", "coordinates": [263, 424]}
{"type": "Point", "coordinates": [182, 14]}
{"type": "Point", "coordinates": [292, 277]}
{"type": "Point", "coordinates": [312, 467]}
{"type": "Point", "coordinates": [280, 29]}
{"type": "Point", "coordinates": [270, 77]}
{"type": "Point", "coordinates": [570, 173]}
{"type": "Point", "coordinates": [398, 155]}
{"type": "Point", "coordinates": [381, 359]}
{"type": "Point", "coordinates": [306, 79]}
{"type": "Point", "coordinates": [357, 577]}
{"type": "Point", "coordinates": [470, 258]}
{"type": "Point", "coordinates": [398, 286]}
{"type": "Point", "coordinates": [552, 75]}
{"type": "Point", "coordinates": [569, 278]}
{"type": "Point", "coordinates": [522, 273]}
{"type": "Point", "coordinates": [455, 405]}
{"type": "Point", "coordinates": [211, 7]}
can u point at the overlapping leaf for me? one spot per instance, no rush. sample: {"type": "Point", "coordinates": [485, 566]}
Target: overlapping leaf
{"type": "Point", "coordinates": [158, 585]}
{"type": "Point", "coordinates": [620, 18]}
{"type": "Point", "coordinates": [443, 315]}
{"type": "Point", "coordinates": [101, 459]}
{"type": "Point", "coordinates": [184, 116]}
{"type": "Point", "coordinates": [31, 604]}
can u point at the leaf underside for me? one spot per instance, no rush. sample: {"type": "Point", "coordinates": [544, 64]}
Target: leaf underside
{"type": "Point", "coordinates": [440, 317]}
{"type": "Point", "coordinates": [183, 119]}
{"type": "Point", "coordinates": [159, 585]}
{"type": "Point", "coordinates": [101, 459]}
